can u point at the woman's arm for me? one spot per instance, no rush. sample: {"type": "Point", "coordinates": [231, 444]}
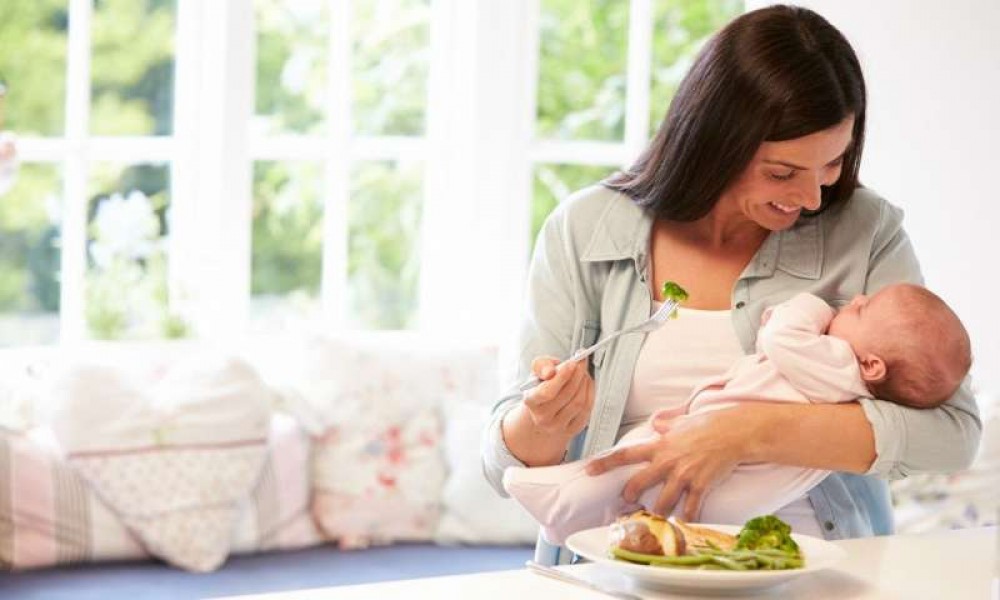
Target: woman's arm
{"type": "Point", "coordinates": [535, 428]}
{"type": "Point", "coordinates": [912, 440]}
{"type": "Point", "coordinates": [696, 451]}
{"type": "Point", "coordinates": [801, 435]}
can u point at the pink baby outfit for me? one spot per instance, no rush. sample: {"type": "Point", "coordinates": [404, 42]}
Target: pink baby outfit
{"type": "Point", "coordinates": [794, 362]}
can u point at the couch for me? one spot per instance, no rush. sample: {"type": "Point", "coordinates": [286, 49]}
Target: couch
{"type": "Point", "coordinates": [183, 469]}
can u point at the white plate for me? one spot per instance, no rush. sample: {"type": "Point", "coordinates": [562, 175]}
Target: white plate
{"type": "Point", "coordinates": [593, 544]}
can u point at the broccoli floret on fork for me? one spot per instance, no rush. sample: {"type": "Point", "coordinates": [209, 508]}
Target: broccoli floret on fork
{"type": "Point", "coordinates": [674, 292]}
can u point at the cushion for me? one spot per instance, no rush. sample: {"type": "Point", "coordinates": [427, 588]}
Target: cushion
{"type": "Point", "coordinates": [50, 516]}
{"type": "Point", "coordinates": [277, 515]}
{"type": "Point", "coordinates": [472, 511]}
{"type": "Point", "coordinates": [379, 483]}
{"type": "Point", "coordinates": [21, 383]}
{"type": "Point", "coordinates": [374, 404]}
{"type": "Point", "coordinates": [173, 457]}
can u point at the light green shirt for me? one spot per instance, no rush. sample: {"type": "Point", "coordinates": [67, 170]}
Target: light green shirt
{"type": "Point", "coordinates": [587, 276]}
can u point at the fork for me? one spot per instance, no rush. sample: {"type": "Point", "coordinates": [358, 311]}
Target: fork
{"type": "Point", "coordinates": [651, 324]}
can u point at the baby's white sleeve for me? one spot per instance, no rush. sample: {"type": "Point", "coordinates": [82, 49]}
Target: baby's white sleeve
{"type": "Point", "coordinates": [822, 367]}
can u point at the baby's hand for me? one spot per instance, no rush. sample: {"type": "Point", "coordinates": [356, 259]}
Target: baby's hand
{"type": "Point", "coordinates": [764, 318]}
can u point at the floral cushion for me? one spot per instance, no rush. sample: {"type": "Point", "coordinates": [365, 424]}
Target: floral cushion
{"type": "Point", "coordinates": [374, 409]}
{"type": "Point", "coordinates": [379, 485]}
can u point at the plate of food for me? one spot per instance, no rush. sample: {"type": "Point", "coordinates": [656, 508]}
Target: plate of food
{"type": "Point", "coordinates": [673, 555]}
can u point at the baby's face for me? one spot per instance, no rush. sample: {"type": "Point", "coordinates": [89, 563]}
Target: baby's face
{"type": "Point", "coordinates": [859, 321]}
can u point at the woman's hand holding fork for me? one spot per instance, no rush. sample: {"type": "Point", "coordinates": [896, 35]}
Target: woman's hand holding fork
{"type": "Point", "coordinates": [538, 430]}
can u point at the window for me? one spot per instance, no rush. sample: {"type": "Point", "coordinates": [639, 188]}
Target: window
{"type": "Point", "coordinates": [376, 164]}
{"type": "Point", "coordinates": [356, 205]}
{"type": "Point", "coordinates": [31, 208]}
{"type": "Point", "coordinates": [607, 71]}
{"type": "Point", "coordinates": [88, 215]}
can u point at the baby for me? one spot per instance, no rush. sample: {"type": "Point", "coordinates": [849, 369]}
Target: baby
{"type": "Point", "coordinates": [902, 344]}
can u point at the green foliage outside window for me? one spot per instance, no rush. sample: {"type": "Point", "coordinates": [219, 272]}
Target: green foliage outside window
{"type": "Point", "coordinates": [679, 30]}
{"type": "Point", "coordinates": [29, 233]}
{"type": "Point", "coordinates": [390, 45]}
{"type": "Point", "coordinates": [383, 244]}
{"type": "Point", "coordinates": [287, 229]}
{"type": "Point", "coordinates": [132, 91]}
{"type": "Point", "coordinates": [33, 64]}
{"type": "Point", "coordinates": [292, 51]}
{"type": "Point", "coordinates": [132, 67]}
{"type": "Point", "coordinates": [391, 48]}
{"type": "Point", "coordinates": [582, 64]}
{"type": "Point", "coordinates": [127, 292]}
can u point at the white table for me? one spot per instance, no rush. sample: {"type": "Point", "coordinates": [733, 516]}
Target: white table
{"type": "Point", "coordinates": [954, 565]}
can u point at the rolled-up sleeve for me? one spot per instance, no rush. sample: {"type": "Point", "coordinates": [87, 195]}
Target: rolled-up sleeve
{"type": "Point", "coordinates": [911, 440]}
{"type": "Point", "coordinates": [495, 454]}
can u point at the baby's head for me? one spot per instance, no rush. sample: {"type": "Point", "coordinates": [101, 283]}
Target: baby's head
{"type": "Point", "coordinates": [912, 348]}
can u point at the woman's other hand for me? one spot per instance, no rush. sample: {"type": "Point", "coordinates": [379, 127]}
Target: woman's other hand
{"type": "Point", "coordinates": [692, 454]}
{"type": "Point", "coordinates": [538, 430]}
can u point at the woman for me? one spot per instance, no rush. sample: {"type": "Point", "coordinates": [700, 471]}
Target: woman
{"type": "Point", "coordinates": [747, 196]}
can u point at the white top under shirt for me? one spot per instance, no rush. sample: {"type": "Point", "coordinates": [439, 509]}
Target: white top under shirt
{"type": "Point", "coordinates": [685, 351]}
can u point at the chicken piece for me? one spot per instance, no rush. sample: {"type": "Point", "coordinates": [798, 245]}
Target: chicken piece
{"type": "Point", "coordinates": [696, 536]}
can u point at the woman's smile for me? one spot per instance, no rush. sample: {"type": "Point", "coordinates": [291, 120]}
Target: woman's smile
{"type": "Point", "coordinates": [784, 209]}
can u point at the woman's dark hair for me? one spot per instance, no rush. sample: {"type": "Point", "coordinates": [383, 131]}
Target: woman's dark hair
{"type": "Point", "coordinates": [773, 74]}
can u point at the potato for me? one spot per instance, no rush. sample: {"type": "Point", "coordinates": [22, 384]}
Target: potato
{"type": "Point", "coordinates": [646, 533]}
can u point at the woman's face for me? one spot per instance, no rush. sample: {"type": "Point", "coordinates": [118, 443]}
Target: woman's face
{"type": "Point", "coordinates": [783, 178]}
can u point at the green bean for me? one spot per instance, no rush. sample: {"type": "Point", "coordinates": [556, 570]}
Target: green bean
{"type": "Point", "coordinates": [776, 563]}
{"type": "Point", "coordinates": [651, 559]}
{"type": "Point", "coordinates": [774, 552]}
{"type": "Point", "coordinates": [716, 559]}
{"type": "Point", "coordinates": [728, 562]}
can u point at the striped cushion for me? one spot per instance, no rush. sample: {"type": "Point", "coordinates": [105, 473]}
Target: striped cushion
{"type": "Point", "coordinates": [48, 515]}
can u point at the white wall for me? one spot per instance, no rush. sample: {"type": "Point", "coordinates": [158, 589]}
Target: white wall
{"type": "Point", "coordinates": [933, 75]}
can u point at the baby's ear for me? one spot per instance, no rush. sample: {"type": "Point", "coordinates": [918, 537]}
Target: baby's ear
{"type": "Point", "coordinates": [873, 369]}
